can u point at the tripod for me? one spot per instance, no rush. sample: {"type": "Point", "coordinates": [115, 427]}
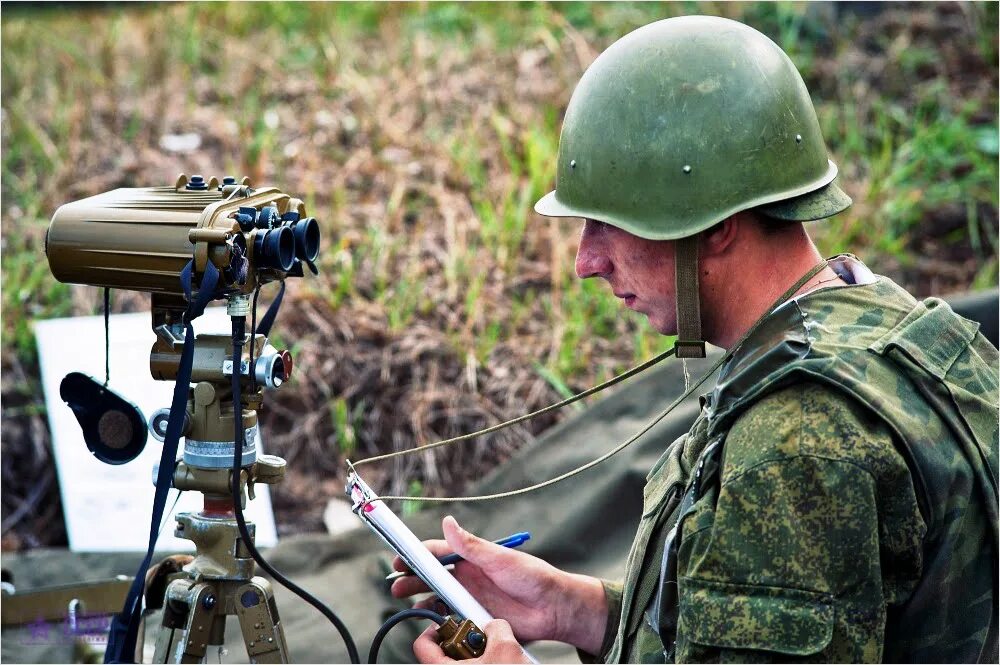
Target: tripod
{"type": "Point", "coordinates": [220, 581]}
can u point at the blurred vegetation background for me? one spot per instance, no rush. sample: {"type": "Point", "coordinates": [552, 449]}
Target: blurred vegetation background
{"type": "Point", "coordinates": [420, 135]}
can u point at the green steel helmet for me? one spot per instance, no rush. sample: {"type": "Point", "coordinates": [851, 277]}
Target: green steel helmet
{"type": "Point", "coordinates": [686, 121]}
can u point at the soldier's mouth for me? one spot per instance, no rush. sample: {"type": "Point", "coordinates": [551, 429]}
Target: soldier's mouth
{"type": "Point", "coordinates": [629, 298]}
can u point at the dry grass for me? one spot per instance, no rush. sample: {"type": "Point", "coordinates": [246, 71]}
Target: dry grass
{"type": "Point", "coordinates": [420, 135]}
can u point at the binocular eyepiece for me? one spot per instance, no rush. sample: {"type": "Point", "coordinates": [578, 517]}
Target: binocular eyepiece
{"type": "Point", "coordinates": [306, 232]}
{"type": "Point", "coordinates": [275, 248]}
{"type": "Point", "coordinates": [281, 240]}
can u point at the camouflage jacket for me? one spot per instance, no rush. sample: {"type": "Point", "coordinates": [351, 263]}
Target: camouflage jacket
{"type": "Point", "coordinates": [853, 518]}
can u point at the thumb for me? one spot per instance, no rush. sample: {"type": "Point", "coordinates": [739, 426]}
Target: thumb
{"type": "Point", "coordinates": [470, 547]}
{"type": "Point", "coordinates": [501, 645]}
{"type": "Point", "coordinates": [499, 629]}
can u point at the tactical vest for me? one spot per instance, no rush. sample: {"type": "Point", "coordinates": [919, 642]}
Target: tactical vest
{"type": "Point", "coordinates": [930, 376]}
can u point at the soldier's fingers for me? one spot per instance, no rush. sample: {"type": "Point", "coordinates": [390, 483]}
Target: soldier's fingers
{"type": "Point", "coordinates": [399, 566]}
{"type": "Point", "coordinates": [501, 645]}
{"type": "Point", "coordinates": [426, 604]}
{"type": "Point", "coordinates": [427, 650]}
{"type": "Point", "coordinates": [407, 586]}
{"type": "Point", "coordinates": [434, 604]}
{"type": "Point", "coordinates": [438, 548]}
{"type": "Point", "coordinates": [499, 629]}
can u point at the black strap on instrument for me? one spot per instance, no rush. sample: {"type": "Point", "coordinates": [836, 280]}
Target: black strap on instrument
{"type": "Point", "coordinates": [125, 625]}
{"type": "Point", "coordinates": [266, 321]}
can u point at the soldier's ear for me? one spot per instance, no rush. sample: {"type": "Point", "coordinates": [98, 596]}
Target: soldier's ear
{"type": "Point", "coordinates": [722, 237]}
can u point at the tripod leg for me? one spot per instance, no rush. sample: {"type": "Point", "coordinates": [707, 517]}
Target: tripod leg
{"type": "Point", "coordinates": [188, 617]}
{"type": "Point", "coordinates": [258, 615]}
{"type": "Point", "coordinates": [172, 624]}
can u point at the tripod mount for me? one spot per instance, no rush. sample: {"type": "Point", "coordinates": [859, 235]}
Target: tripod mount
{"type": "Point", "coordinates": [220, 581]}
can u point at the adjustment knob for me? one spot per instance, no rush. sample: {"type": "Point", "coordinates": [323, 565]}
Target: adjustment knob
{"type": "Point", "coordinates": [267, 217]}
{"type": "Point", "coordinates": [246, 217]}
{"type": "Point", "coordinates": [196, 183]}
{"type": "Point", "coordinates": [270, 469]}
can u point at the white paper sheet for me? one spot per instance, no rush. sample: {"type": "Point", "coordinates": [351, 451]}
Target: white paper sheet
{"type": "Point", "coordinates": [108, 508]}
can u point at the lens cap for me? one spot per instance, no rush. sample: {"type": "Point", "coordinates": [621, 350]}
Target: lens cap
{"type": "Point", "coordinates": [114, 428]}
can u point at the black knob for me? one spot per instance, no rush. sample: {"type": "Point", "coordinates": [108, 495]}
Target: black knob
{"type": "Point", "coordinates": [208, 602]}
{"type": "Point", "coordinates": [246, 217]}
{"type": "Point", "coordinates": [229, 180]}
{"type": "Point", "coordinates": [267, 217]}
{"type": "Point", "coordinates": [476, 640]}
{"type": "Point", "coordinates": [196, 183]}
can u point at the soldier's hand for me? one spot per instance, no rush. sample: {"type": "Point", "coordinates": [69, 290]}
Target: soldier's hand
{"type": "Point", "coordinates": [540, 601]}
{"type": "Point", "coordinates": [501, 646]}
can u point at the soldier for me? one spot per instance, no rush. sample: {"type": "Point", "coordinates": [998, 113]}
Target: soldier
{"type": "Point", "coordinates": [836, 499]}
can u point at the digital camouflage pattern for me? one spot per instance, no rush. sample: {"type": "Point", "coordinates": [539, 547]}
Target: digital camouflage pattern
{"type": "Point", "coordinates": [854, 518]}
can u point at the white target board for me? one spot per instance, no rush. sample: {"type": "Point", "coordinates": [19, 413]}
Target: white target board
{"type": "Point", "coordinates": [108, 508]}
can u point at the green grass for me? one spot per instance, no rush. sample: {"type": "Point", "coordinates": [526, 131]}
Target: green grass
{"type": "Point", "coordinates": [415, 488]}
{"type": "Point", "coordinates": [29, 293]}
{"type": "Point", "coordinates": [904, 156]}
{"type": "Point", "coordinates": [946, 160]}
{"type": "Point", "coordinates": [346, 421]}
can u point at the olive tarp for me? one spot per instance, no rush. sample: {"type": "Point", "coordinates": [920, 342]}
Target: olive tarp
{"type": "Point", "coordinates": [584, 525]}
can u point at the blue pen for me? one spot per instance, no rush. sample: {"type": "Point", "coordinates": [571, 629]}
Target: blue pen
{"type": "Point", "coordinates": [515, 540]}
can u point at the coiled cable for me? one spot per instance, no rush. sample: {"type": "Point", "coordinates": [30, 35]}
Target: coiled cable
{"type": "Point", "coordinates": [412, 613]}
{"type": "Point", "coordinates": [239, 331]}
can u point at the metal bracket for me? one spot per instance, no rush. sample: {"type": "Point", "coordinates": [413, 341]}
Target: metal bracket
{"type": "Point", "coordinates": [227, 368]}
{"type": "Point", "coordinates": [169, 334]}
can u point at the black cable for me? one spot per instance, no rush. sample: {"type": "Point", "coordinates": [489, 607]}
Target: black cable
{"type": "Point", "coordinates": [239, 330]}
{"type": "Point", "coordinates": [412, 613]}
{"type": "Point", "coordinates": [253, 334]}
{"type": "Point", "coordinates": [107, 336]}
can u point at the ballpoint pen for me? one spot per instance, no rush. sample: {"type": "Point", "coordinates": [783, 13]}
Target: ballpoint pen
{"type": "Point", "coordinates": [515, 540]}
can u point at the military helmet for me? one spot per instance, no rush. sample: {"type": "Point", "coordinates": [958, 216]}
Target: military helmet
{"type": "Point", "coordinates": [686, 121]}
{"type": "Point", "coordinates": [682, 123]}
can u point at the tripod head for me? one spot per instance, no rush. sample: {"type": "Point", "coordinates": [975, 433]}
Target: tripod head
{"type": "Point", "coordinates": [209, 421]}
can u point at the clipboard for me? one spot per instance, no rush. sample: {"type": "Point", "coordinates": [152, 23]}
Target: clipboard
{"type": "Point", "coordinates": [380, 519]}
{"type": "Point", "coordinates": [394, 533]}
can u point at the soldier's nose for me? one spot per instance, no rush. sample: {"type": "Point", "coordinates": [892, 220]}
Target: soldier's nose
{"type": "Point", "coordinates": [591, 263]}
{"type": "Point", "coordinates": [592, 258]}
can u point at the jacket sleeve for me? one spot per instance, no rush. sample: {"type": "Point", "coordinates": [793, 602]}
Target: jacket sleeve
{"type": "Point", "coordinates": [810, 534]}
{"type": "Point", "coordinates": [613, 594]}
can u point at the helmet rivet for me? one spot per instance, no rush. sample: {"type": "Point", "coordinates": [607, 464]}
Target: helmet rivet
{"type": "Point", "coordinates": [572, 163]}
{"type": "Point", "coordinates": [798, 138]}
{"type": "Point", "coordinates": [687, 168]}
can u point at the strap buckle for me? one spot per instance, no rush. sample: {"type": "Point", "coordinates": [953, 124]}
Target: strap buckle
{"type": "Point", "coordinates": [690, 348]}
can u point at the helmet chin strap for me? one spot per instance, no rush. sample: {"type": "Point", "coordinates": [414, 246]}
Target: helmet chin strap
{"type": "Point", "coordinates": [689, 342]}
